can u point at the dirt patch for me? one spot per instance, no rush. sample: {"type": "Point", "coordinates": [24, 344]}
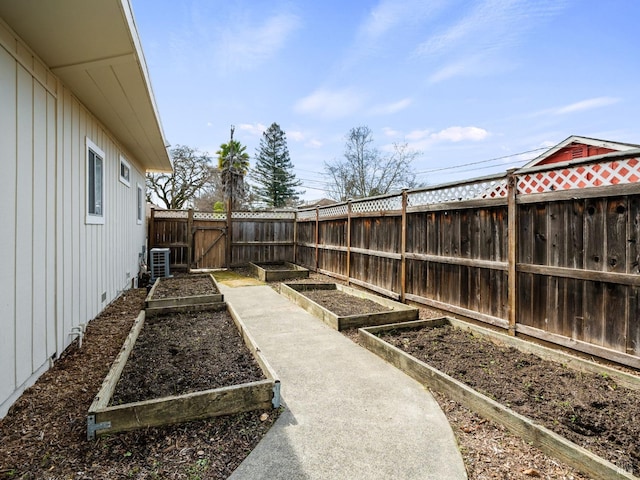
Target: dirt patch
{"type": "Point", "coordinates": [343, 304]}
{"type": "Point", "coordinates": [184, 286]}
{"type": "Point", "coordinates": [589, 409]}
{"type": "Point", "coordinates": [44, 433]}
{"type": "Point", "coordinates": [183, 353]}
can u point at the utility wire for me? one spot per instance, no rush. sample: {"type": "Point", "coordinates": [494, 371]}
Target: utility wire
{"type": "Point", "coordinates": [481, 161]}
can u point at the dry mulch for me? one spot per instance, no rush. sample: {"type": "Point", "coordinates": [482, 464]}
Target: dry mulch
{"type": "Point", "coordinates": [44, 433]}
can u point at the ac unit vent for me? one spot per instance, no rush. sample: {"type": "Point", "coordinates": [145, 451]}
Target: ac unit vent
{"type": "Point", "coordinates": [159, 263]}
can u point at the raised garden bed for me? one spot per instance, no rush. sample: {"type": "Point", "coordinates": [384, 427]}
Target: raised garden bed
{"type": "Point", "coordinates": [341, 307]}
{"type": "Point", "coordinates": [183, 293]}
{"type": "Point", "coordinates": [167, 356]}
{"type": "Point", "coordinates": [277, 271]}
{"type": "Point", "coordinates": [581, 412]}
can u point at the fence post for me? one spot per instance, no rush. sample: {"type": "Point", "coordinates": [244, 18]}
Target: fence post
{"type": "Point", "coordinates": [403, 248]}
{"type": "Point", "coordinates": [191, 238]}
{"type": "Point", "coordinates": [512, 231]}
{"type": "Point", "coordinates": [348, 240]}
{"type": "Point", "coordinates": [152, 231]}
{"type": "Point", "coordinates": [228, 244]}
{"type": "Point", "coordinates": [295, 237]}
{"type": "Point", "coordinates": [317, 233]}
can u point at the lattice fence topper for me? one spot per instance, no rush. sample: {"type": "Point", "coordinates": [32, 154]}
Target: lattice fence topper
{"type": "Point", "coordinates": [264, 215]}
{"type": "Point", "coordinates": [306, 214]}
{"type": "Point", "coordinates": [171, 213]}
{"type": "Point", "coordinates": [581, 176]}
{"type": "Point", "coordinates": [377, 205]}
{"type": "Point", "coordinates": [209, 216]}
{"type": "Point", "coordinates": [492, 188]}
{"type": "Point", "coordinates": [336, 211]}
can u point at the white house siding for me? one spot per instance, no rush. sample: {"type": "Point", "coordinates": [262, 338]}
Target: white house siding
{"type": "Point", "coordinates": [55, 267]}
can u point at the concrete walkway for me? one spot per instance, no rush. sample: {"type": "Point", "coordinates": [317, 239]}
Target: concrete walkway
{"type": "Point", "coordinates": [348, 414]}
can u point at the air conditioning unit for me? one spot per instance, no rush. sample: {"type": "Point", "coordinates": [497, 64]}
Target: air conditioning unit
{"type": "Point", "coordinates": [159, 263]}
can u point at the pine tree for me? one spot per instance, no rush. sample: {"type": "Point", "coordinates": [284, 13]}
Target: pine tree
{"type": "Point", "coordinates": [273, 172]}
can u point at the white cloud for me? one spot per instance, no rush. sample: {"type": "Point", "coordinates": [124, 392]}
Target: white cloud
{"type": "Point", "coordinates": [256, 129]}
{"type": "Point", "coordinates": [330, 104]}
{"type": "Point", "coordinates": [468, 65]}
{"type": "Point", "coordinates": [390, 108]}
{"type": "Point", "coordinates": [581, 106]}
{"type": "Point", "coordinates": [295, 136]}
{"type": "Point", "coordinates": [389, 14]}
{"type": "Point", "coordinates": [423, 139]}
{"type": "Point", "coordinates": [459, 134]}
{"type": "Point", "coordinates": [586, 105]}
{"type": "Point", "coordinates": [314, 143]}
{"type": "Point", "coordinates": [484, 33]}
{"type": "Point", "coordinates": [416, 135]}
{"type": "Point", "coordinates": [244, 46]}
{"type": "Point", "coordinates": [298, 136]}
{"type": "Point", "coordinates": [490, 24]}
{"type": "Point", "coordinates": [390, 132]}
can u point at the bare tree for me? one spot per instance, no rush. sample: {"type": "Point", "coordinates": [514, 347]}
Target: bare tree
{"type": "Point", "coordinates": [365, 172]}
{"type": "Point", "coordinates": [210, 195]}
{"type": "Point", "coordinates": [192, 171]}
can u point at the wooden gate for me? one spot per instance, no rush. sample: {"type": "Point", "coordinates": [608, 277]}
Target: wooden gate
{"type": "Point", "coordinates": [209, 243]}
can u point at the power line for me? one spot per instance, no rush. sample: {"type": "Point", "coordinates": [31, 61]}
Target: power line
{"type": "Point", "coordinates": [481, 161]}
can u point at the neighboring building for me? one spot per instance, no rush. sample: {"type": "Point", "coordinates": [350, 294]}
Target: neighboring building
{"type": "Point", "coordinates": [78, 130]}
{"type": "Point", "coordinates": [577, 148]}
{"type": "Point", "coordinates": [322, 202]}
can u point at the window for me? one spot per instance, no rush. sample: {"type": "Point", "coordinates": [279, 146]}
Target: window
{"type": "Point", "coordinates": [140, 203]}
{"type": "Point", "coordinates": [125, 172]}
{"type": "Point", "coordinates": [95, 184]}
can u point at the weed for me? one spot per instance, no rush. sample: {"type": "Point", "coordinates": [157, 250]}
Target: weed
{"type": "Point", "coordinates": [195, 471]}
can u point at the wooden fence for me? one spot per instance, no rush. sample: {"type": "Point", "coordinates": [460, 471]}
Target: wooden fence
{"type": "Point", "coordinates": [199, 240]}
{"type": "Point", "coordinates": [551, 252]}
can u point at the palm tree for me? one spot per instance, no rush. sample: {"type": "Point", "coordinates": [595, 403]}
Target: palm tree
{"type": "Point", "coordinates": [233, 163]}
{"type": "Point", "coordinates": [233, 155]}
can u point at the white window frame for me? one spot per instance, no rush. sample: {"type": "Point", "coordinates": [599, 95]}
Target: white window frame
{"type": "Point", "coordinates": [93, 218]}
{"type": "Point", "coordinates": [127, 165]}
{"type": "Point", "coordinates": [140, 204]}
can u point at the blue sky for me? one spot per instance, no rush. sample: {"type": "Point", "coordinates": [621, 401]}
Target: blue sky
{"type": "Point", "coordinates": [460, 81]}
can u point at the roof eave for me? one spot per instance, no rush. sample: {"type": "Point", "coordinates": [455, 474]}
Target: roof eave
{"type": "Point", "coordinates": [106, 72]}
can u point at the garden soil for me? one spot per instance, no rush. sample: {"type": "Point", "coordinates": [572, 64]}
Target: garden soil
{"type": "Point", "coordinates": [589, 409]}
{"type": "Point", "coordinates": [182, 353]}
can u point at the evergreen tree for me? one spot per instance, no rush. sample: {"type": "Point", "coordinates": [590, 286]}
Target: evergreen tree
{"type": "Point", "coordinates": [273, 172]}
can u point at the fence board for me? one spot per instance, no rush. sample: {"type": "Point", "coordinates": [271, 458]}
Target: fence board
{"type": "Point", "coordinates": [633, 328]}
{"type": "Point", "coordinates": [615, 316]}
